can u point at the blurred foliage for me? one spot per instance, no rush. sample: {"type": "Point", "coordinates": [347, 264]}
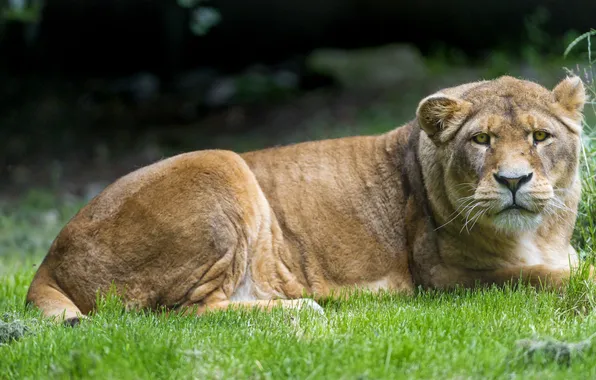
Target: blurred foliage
{"type": "Point", "coordinates": [585, 233]}
{"type": "Point", "coordinates": [535, 48]}
{"type": "Point", "coordinates": [23, 11]}
{"type": "Point", "coordinates": [203, 18]}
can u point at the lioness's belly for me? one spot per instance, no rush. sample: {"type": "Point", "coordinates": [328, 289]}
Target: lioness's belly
{"type": "Point", "coordinates": [339, 225]}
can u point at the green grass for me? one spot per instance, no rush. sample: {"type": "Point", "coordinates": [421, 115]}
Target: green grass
{"type": "Point", "coordinates": [457, 335]}
{"type": "Point", "coordinates": [464, 334]}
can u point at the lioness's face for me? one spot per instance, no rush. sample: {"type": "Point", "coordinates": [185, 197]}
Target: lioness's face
{"type": "Point", "coordinates": [510, 168]}
{"type": "Point", "coordinates": [511, 154]}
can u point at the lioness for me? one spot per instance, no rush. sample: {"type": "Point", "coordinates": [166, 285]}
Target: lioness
{"type": "Point", "coordinates": [482, 187]}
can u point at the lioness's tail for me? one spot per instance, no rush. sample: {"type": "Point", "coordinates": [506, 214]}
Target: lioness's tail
{"type": "Point", "coordinates": [45, 294]}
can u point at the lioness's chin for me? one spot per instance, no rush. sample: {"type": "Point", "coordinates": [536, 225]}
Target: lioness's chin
{"type": "Point", "coordinates": [516, 220]}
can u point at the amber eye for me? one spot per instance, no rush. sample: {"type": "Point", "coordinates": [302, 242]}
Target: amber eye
{"type": "Point", "coordinates": [481, 138]}
{"type": "Point", "coordinates": [540, 136]}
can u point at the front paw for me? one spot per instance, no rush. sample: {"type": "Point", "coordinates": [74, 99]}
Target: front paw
{"type": "Point", "coordinates": [310, 304]}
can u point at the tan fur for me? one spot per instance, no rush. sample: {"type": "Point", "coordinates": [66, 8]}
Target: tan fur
{"type": "Point", "coordinates": [415, 206]}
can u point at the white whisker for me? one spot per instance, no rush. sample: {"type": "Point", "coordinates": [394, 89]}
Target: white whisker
{"type": "Point", "coordinates": [465, 202]}
{"type": "Point", "coordinates": [468, 220]}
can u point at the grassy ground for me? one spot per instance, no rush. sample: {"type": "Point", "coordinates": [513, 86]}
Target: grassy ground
{"type": "Point", "coordinates": [463, 334]}
{"type": "Point", "coordinates": [460, 335]}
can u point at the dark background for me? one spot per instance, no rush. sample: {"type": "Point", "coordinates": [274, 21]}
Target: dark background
{"type": "Point", "coordinates": [119, 37]}
{"type": "Point", "coordinates": [91, 89]}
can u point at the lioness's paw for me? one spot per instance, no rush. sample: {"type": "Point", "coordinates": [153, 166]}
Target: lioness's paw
{"type": "Point", "coordinates": [74, 321]}
{"type": "Point", "coordinates": [311, 304]}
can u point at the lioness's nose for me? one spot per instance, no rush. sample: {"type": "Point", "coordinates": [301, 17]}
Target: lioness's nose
{"type": "Point", "coordinates": [513, 183]}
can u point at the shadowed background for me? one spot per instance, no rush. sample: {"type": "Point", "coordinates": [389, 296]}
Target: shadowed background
{"type": "Point", "coordinates": [91, 90]}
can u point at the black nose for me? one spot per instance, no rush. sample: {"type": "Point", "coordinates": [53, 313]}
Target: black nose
{"type": "Point", "coordinates": [513, 183]}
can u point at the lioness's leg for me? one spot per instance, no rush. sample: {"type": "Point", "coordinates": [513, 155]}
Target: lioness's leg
{"type": "Point", "coordinates": [169, 235]}
{"type": "Point", "coordinates": [534, 275]}
{"type": "Point", "coordinates": [299, 303]}
{"type": "Point", "coordinates": [218, 300]}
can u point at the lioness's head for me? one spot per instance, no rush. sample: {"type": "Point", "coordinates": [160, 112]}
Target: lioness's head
{"type": "Point", "coordinates": [508, 149]}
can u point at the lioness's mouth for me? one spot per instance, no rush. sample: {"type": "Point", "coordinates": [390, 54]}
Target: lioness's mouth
{"type": "Point", "coordinates": [513, 207]}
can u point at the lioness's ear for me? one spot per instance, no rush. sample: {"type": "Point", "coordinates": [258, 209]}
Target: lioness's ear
{"type": "Point", "coordinates": [440, 116]}
{"type": "Point", "coordinates": [570, 95]}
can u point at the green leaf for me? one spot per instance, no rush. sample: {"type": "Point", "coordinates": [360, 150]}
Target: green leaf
{"type": "Point", "coordinates": [578, 40]}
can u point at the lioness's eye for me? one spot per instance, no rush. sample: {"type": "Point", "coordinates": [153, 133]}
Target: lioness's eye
{"type": "Point", "coordinates": [481, 138]}
{"type": "Point", "coordinates": [540, 136]}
